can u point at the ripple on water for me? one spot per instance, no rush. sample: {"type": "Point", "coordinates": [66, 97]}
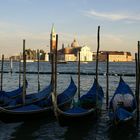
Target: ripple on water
{"type": "Point", "coordinates": [50, 131]}
{"type": "Point", "coordinates": [6, 130]}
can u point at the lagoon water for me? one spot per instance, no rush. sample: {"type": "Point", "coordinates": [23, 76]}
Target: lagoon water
{"type": "Point", "coordinates": [48, 128]}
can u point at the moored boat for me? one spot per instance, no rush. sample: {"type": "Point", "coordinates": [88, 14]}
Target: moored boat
{"type": "Point", "coordinates": [6, 96]}
{"type": "Point", "coordinates": [86, 109]}
{"type": "Point", "coordinates": [122, 108]}
{"type": "Point", "coordinates": [42, 108]}
{"type": "Point", "coordinates": [29, 98]}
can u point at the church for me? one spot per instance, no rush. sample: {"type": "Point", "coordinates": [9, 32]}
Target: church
{"type": "Point", "coordinates": [70, 53]}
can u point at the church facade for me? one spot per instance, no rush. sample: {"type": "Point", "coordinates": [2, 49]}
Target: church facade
{"type": "Point", "coordinates": [70, 53]}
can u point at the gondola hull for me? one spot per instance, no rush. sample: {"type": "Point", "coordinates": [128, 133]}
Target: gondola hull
{"type": "Point", "coordinates": [16, 116]}
{"type": "Point", "coordinates": [11, 94]}
{"type": "Point", "coordinates": [40, 109]}
{"type": "Point", "coordinates": [29, 98]}
{"type": "Point", "coordinates": [83, 118]}
{"type": "Point", "coordinates": [126, 122]}
{"type": "Point", "coordinates": [88, 108]}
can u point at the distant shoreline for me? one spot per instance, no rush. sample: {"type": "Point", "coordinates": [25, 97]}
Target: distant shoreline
{"type": "Point", "coordinates": [32, 61]}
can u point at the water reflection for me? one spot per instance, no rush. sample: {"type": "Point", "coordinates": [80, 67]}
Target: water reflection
{"type": "Point", "coordinates": [31, 129]}
{"type": "Point", "coordinates": [123, 133]}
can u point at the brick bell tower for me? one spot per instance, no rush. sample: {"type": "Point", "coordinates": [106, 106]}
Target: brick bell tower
{"type": "Point", "coordinates": [52, 40]}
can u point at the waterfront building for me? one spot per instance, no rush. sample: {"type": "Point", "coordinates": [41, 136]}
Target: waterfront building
{"type": "Point", "coordinates": [85, 54]}
{"type": "Point", "coordinates": [31, 56]}
{"type": "Point", "coordinates": [46, 57]}
{"type": "Point", "coordinates": [116, 56]}
{"type": "Point", "coordinates": [14, 57]}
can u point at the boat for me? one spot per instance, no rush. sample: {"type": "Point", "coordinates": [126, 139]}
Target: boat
{"type": "Point", "coordinates": [61, 62]}
{"type": "Point", "coordinates": [5, 96]}
{"type": "Point", "coordinates": [122, 106]}
{"type": "Point", "coordinates": [29, 98]}
{"type": "Point", "coordinates": [40, 109]}
{"type": "Point", "coordinates": [28, 61]}
{"type": "Point", "coordinates": [11, 94]}
{"type": "Point", "coordinates": [87, 108]}
{"type": "Point", "coordinates": [84, 62]}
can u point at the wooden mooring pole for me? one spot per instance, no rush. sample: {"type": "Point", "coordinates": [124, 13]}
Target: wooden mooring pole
{"type": "Point", "coordinates": [55, 72]}
{"type": "Point", "coordinates": [78, 74]}
{"type": "Point", "coordinates": [2, 62]}
{"type": "Point", "coordinates": [97, 54]}
{"type": "Point", "coordinates": [137, 85]}
{"type": "Point", "coordinates": [97, 59]}
{"type": "Point", "coordinates": [138, 80]}
{"type": "Point", "coordinates": [136, 63]}
{"type": "Point", "coordinates": [107, 80]}
{"type": "Point", "coordinates": [24, 73]}
{"type": "Point", "coordinates": [38, 60]}
{"type": "Point", "coordinates": [52, 63]}
{"type": "Point", "coordinates": [20, 70]}
{"type": "Point", "coordinates": [11, 66]}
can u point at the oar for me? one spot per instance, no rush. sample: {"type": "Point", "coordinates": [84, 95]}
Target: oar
{"type": "Point", "coordinates": [38, 59]}
{"type": "Point", "coordinates": [2, 62]}
{"type": "Point", "coordinates": [24, 73]}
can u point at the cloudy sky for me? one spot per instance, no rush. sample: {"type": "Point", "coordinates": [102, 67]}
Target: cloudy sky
{"type": "Point", "coordinates": [32, 20]}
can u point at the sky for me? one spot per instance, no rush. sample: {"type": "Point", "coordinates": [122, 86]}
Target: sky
{"type": "Point", "coordinates": [119, 22]}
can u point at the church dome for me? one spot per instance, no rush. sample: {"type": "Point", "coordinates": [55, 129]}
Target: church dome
{"type": "Point", "coordinates": [74, 44]}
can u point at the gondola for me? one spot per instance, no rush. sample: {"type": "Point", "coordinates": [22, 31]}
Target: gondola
{"type": "Point", "coordinates": [8, 95]}
{"type": "Point", "coordinates": [11, 94]}
{"type": "Point", "coordinates": [29, 98]}
{"type": "Point", "coordinates": [39, 109]}
{"type": "Point", "coordinates": [87, 108]}
{"type": "Point", "coordinates": [122, 107]}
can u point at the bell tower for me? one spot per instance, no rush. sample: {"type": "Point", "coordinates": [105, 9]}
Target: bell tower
{"type": "Point", "coordinates": [52, 39]}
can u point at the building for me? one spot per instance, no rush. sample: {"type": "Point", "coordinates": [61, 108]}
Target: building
{"type": "Point", "coordinates": [52, 40]}
{"type": "Point", "coordinates": [46, 57]}
{"type": "Point", "coordinates": [70, 53]}
{"type": "Point", "coordinates": [85, 54]}
{"type": "Point", "coordinates": [31, 55]}
{"type": "Point", "coordinates": [15, 57]}
{"type": "Point", "coordinates": [115, 56]}
{"type": "Point", "coordinates": [66, 54]}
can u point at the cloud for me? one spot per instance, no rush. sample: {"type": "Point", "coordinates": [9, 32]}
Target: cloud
{"type": "Point", "coordinates": [112, 16]}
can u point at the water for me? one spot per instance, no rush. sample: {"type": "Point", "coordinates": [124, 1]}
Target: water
{"type": "Point", "coordinates": [48, 129]}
